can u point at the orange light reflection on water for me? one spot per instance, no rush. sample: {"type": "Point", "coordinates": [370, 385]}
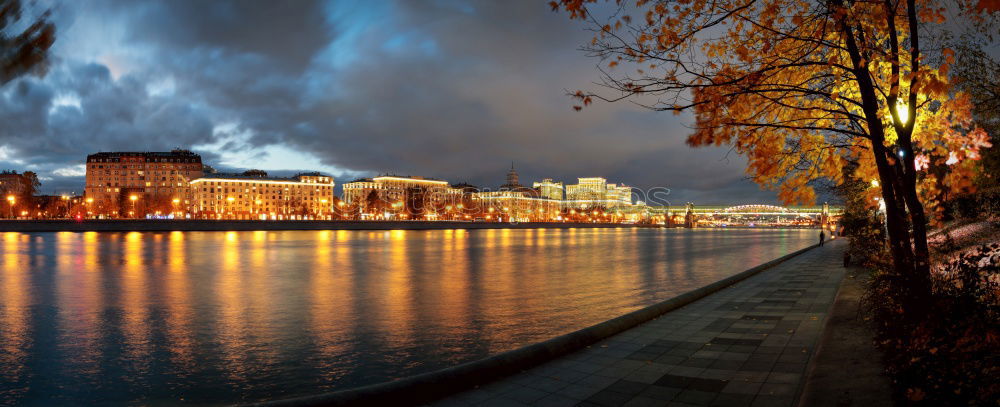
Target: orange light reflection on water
{"type": "Point", "coordinates": [15, 333]}
{"type": "Point", "coordinates": [254, 311]}
{"type": "Point", "coordinates": [134, 302]}
{"type": "Point", "coordinates": [178, 300]}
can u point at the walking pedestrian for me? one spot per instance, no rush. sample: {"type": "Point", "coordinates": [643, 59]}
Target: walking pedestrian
{"type": "Point", "coordinates": [822, 236]}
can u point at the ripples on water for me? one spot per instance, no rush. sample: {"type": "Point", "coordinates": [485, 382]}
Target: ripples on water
{"type": "Point", "coordinates": [220, 317]}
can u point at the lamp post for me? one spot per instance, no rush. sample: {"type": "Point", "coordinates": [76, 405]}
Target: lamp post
{"type": "Point", "coordinates": [89, 202]}
{"type": "Point", "coordinates": [230, 206]}
{"type": "Point", "coordinates": [176, 201]}
{"type": "Point", "coordinates": [133, 198]}
{"type": "Point", "coordinates": [323, 201]}
{"type": "Point", "coordinates": [11, 200]}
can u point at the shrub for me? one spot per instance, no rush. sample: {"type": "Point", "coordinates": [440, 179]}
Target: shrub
{"type": "Point", "coordinates": [951, 356]}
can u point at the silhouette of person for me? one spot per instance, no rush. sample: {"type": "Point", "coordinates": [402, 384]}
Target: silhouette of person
{"type": "Point", "coordinates": [821, 237]}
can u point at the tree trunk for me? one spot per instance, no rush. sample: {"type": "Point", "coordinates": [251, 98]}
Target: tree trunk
{"type": "Point", "coordinates": [898, 191]}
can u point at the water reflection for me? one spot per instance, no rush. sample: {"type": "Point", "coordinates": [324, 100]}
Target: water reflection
{"type": "Point", "coordinates": [207, 318]}
{"type": "Point", "coordinates": [15, 337]}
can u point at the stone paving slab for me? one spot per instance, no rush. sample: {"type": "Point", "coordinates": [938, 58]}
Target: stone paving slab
{"type": "Point", "coordinates": [747, 345]}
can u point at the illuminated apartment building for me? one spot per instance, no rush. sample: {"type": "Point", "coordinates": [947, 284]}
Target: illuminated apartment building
{"type": "Point", "coordinates": [254, 195]}
{"type": "Point", "coordinates": [136, 183]}
{"type": "Point", "coordinates": [550, 189]}
{"type": "Point", "coordinates": [389, 196]}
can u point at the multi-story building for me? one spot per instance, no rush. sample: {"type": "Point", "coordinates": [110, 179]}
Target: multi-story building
{"type": "Point", "coordinates": [390, 196]}
{"type": "Point", "coordinates": [621, 193]}
{"type": "Point", "coordinates": [136, 183]}
{"type": "Point", "coordinates": [516, 206]}
{"type": "Point", "coordinates": [550, 189]}
{"type": "Point", "coordinates": [592, 188]}
{"type": "Point", "coordinates": [254, 195]}
{"type": "Point", "coordinates": [14, 184]}
{"type": "Point", "coordinates": [597, 192]}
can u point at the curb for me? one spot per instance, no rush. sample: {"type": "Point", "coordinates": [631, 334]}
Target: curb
{"type": "Point", "coordinates": [823, 339]}
{"type": "Point", "coordinates": [434, 385]}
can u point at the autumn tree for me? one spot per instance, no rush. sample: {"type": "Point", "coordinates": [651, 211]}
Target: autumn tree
{"type": "Point", "coordinates": [799, 88]}
{"type": "Point", "coordinates": [978, 74]}
{"type": "Point", "coordinates": [415, 202]}
{"type": "Point", "coordinates": [373, 203]}
{"type": "Point", "coordinates": [24, 45]}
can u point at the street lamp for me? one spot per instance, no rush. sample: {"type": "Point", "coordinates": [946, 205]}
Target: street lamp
{"type": "Point", "coordinates": [176, 201]}
{"type": "Point", "coordinates": [11, 200]}
{"type": "Point", "coordinates": [230, 199]}
{"type": "Point", "coordinates": [133, 198]}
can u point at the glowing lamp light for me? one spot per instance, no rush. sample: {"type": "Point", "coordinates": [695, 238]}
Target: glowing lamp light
{"type": "Point", "coordinates": [133, 198]}
{"type": "Point", "coordinates": [230, 199]}
{"type": "Point", "coordinates": [875, 183]}
{"type": "Point", "coordinates": [902, 112]}
{"type": "Point", "coordinates": [90, 200]}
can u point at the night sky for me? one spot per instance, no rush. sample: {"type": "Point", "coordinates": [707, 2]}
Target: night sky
{"type": "Point", "coordinates": [448, 89]}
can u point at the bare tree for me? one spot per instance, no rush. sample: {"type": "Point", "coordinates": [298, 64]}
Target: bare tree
{"type": "Point", "coordinates": [26, 51]}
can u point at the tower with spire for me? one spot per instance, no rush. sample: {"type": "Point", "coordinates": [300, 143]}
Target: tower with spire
{"type": "Point", "coordinates": [512, 183]}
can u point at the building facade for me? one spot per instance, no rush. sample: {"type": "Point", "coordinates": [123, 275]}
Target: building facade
{"type": "Point", "coordinates": [391, 197]}
{"type": "Point", "coordinates": [550, 189]}
{"type": "Point", "coordinates": [14, 184]}
{"type": "Point", "coordinates": [516, 206]}
{"type": "Point", "coordinates": [135, 183]}
{"type": "Point", "coordinates": [254, 195]}
{"type": "Point", "coordinates": [597, 192]}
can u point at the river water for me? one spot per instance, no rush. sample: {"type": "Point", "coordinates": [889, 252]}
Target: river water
{"type": "Point", "coordinates": [223, 317]}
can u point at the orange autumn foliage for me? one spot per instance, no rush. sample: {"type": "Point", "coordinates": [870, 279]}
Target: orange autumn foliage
{"type": "Point", "coordinates": [801, 89]}
{"type": "Point", "coordinates": [774, 79]}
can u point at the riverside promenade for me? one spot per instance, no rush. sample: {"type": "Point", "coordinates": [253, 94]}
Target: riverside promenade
{"type": "Point", "coordinates": [747, 345]}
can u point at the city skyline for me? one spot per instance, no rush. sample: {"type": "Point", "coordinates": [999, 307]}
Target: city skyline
{"type": "Point", "coordinates": [178, 184]}
{"type": "Point", "coordinates": [540, 186]}
{"type": "Point", "coordinates": [253, 103]}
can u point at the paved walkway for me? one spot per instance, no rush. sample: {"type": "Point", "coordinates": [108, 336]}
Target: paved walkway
{"type": "Point", "coordinates": [747, 345]}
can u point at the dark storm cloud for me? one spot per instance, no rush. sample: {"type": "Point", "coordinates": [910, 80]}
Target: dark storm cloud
{"type": "Point", "coordinates": [449, 89]}
{"type": "Point", "coordinates": [53, 123]}
{"type": "Point", "coordinates": [287, 34]}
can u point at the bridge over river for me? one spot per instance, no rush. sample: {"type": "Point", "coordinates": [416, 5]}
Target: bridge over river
{"type": "Point", "coordinates": [691, 215]}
